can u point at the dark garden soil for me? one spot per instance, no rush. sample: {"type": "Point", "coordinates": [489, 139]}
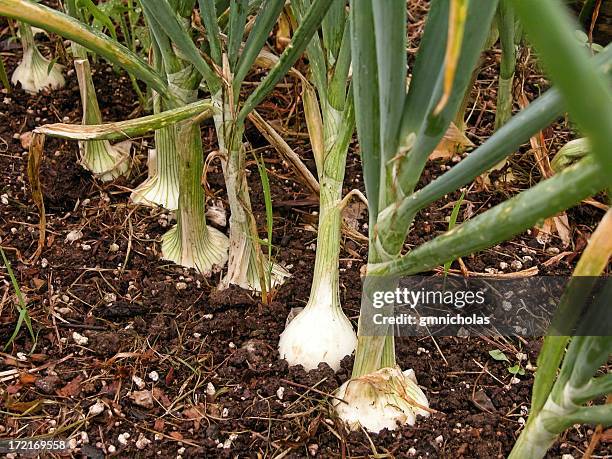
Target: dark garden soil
{"type": "Point", "coordinates": [188, 371]}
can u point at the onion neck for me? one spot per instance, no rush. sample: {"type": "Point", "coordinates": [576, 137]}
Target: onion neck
{"type": "Point", "coordinates": [26, 36]}
{"type": "Point", "coordinates": [91, 109]}
{"type": "Point", "coordinates": [189, 242]}
{"type": "Point", "coordinates": [373, 352]}
{"type": "Point", "coordinates": [190, 215]}
{"type": "Point", "coordinates": [246, 266]}
{"type": "Point", "coordinates": [325, 290]}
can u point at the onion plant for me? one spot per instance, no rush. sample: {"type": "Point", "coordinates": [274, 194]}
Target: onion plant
{"type": "Point", "coordinates": [107, 162]}
{"type": "Point", "coordinates": [398, 129]}
{"type": "Point", "coordinates": [191, 242]}
{"type": "Point", "coordinates": [35, 72]}
{"type": "Point", "coordinates": [223, 65]}
{"type": "Point", "coordinates": [247, 267]}
{"type": "Point", "coordinates": [227, 63]}
{"type": "Point", "coordinates": [560, 395]}
{"type": "Point", "coordinates": [321, 332]}
{"type": "Point", "coordinates": [162, 184]}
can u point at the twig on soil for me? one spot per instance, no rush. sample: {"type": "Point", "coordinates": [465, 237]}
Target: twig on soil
{"type": "Point", "coordinates": [300, 414]}
{"type": "Point", "coordinates": [439, 350]}
{"type": "Point", "coordinates": [596, 204]}
{"type": "Point", "coordinates": [302, 386]}
{"type": "Point", "coordinates": [484, 368]}
{"type": "Point", "coordinates": [530, 272]}
{"type": "Point", "coordinates": [122, 355]}
{"type": "Point", "coordinates": [475, 385]}
{"type": "Point", "coordinates": [333, 432]}
{"type": "Point", "coordinates": [82, 326]}
{"type": "Point", "coordinates": [129, 245]}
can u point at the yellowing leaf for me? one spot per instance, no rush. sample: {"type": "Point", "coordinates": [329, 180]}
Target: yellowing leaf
{"type": "Point", "coordinates": [456, 28]}
{"type": "Point", "coordinates": [314, 122]}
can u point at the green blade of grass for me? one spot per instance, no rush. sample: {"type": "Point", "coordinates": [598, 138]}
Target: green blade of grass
{"type": "Point", "coordinates": [265, 184]}
{"type": "Point", "coordinates": [451, 224]}
{"type": "Point", "coordinates": [21, 306]}
{"type": "Point", "coordinates": [4, 77]}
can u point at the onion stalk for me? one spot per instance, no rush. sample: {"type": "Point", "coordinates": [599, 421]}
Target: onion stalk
{"type": "Point", "coordinates": [161, 188]}
{"type": "Point", "coordinates": [506, 26]}
{"type": "Point", "coordinates": [191, 242]}
{"type": "Point", "coordinates": [35, 72]}
{"type": "Point", "coordinates": [321, 332]}
{"type": "Point", "coordinates": [247, 267]}
{"type": "Point", "coordinates": [107, 162]}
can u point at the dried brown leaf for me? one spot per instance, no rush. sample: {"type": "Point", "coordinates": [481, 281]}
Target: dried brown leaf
{"type": "Point", "coordinates": [563, 228]}
{"type": "Point", "coordinates": [453, 142]}
{"type": "Point", "coordinates": [27, 378]}
{"type": "Point", "coordinates": [72, 388]}
{"type": "Point", "coordinates": [26, 139]}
